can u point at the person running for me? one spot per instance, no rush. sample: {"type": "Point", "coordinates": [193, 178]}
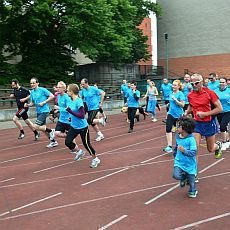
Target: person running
{"type": "Point", "coordinates": [151, 97]}
{"type": "Point", "coordinates": [133, 96]}
{"type": "Point", "coordinates": [176, 101]}
{"type": "Point", "coordinates": [187, 87]}
{"type": "Point", "coordinates": [40, 96]}
{"type": "Point", "coordinates": [78, 126]}
{"type": "Point", "coordinates": [102, 112]}
{"type": "Point", "coordinates": [213, 82]}
{"type": "Point", "coordinates": [223, 92]}
{"type": "Point", "coordinates": [201, 100]}
{"type": "Point", "coordinates": [22, 95]}
{"type": "Point", "coordinates": [185, 164]}
{"type": "Point", "coordinates": [166, 90]}
{"type": "Point", "coordinates": [124, 89]}
{"type": "Point", "coordinates": [63, 124]}
{"type": "Point", "coordinates": [90, 95]}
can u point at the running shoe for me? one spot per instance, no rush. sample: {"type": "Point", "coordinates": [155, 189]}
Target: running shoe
{"type": "Point", "coordinates": [196, 179]}
{"type": "Point", "coordinates": [154, 120]}
{"type": "Point", "coordinates": [52, 144]}
{"type": "Point", "coordinates": [95, 162]}
{"type": "Point", "coordinates": [193, 194]}
{"type": "Point", "coordinates": [224, 146]}
{"type": "Point", "coordinates": [102, 121]}
{"type": "Point", "coordinates": [21, 136]}
{"type": "Point", "coordinates": [184, 182]}
{"type": "Point", "coordinates": [168, 149]}
{"type": "Point", "coordinates": [79, 155]}
{"type": "Point", "coordinates": [130, 131]}
{"type": "Point", "coordinates": [218, 152]}
{"type": "Point", "coordinates": [52, 134]}
{"type": "Point", "coordinates": [100, 137]}
{"type": "Point", "coordinates": [36, 136]}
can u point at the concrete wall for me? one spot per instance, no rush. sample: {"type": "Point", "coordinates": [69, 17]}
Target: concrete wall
{"type": "Point", "coordinates": [198, 28]}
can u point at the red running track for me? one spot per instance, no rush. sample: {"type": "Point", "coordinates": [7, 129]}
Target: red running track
{"type": "Point", "coordinates": [133, 188]}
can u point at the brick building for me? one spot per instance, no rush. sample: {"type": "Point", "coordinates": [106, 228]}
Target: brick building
{"type": "Point", "coordinates": [198, 36]}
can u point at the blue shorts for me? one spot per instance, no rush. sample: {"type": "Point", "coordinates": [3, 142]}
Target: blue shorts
{"type": "Point", "coordinates": [206, 129]}
{"type": "Point", "coordinates": [41, 119]}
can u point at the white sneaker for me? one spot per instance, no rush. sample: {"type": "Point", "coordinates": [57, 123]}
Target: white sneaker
{"type": "Point", "coordinates": [100, 137]}
{"type": "Point", "coordinates": [95, 162]}
{"type": "Point", "coordinates": [52, 134]}
{"type": "Point", "coordinates": [79, 155]}
{"type": "Point", "coordinates": [224, 146]}
{"type": "Point", "coordinates": [102, 121]}
{"type": "Point", "coordinates": [154, 120]}
{"type": "Point", "coordinates": [52, 144]}
{"type": "Point", "coordinates": [228, 144]}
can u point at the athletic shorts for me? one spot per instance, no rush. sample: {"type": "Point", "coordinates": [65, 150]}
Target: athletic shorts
{"type": "Point", "coordinates": [22, 113]}
{"type": "Point", "coordinates": [91, 116]}
{"type": "Point", "coordinates": [62, 127]}
{"type": "Point", "coordinates": [41, 119]}
{"type": "Point", "coordinates": [206, 129]}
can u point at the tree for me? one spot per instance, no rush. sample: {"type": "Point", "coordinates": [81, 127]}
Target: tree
{"type": "Point", "coordinates": [46, 33]}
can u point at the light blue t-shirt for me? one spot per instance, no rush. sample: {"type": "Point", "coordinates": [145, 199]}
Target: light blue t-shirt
{"type": "Point", "coordinates": [39, 95]}
{"type": "Point", "coordinates": [166, 90]}
{"type": "Point", "coordinates": [187, 88]}
{"type": "Point", "coordinates": [64, 101]}
{"type": "Point", "coordinates": [185, 161]}
{"type": "Point", "coordinates": [174, 109]}
{"type": "Point", "coordinates": [214, 85]}
{"type": "Point", "coordinates": [124, 88]}
{"type": "Point", "coordinates": [91, 97]}
{"type": "Point", "coordinates": [77, 123]}
{"type": "Point", "coordinates": [224, 97]}
{"type": "Point", "coordinates": [131, 101]}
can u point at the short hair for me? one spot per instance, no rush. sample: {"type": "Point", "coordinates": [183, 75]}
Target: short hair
{"type": "Point", "coordinates": [85, 80]}
{"type": "Point", "coordinates": [15, 81]}
{"type": "Point", "coordinates": [198, 76]}
{"type": "Point", "coordinates": [212, 74]}
{"type": "Point", "coordinates": [187, 124]}
{"type": "Point", "coordinates": [62, 83]}
{"type": "Point", "coordinates": [34, 78]}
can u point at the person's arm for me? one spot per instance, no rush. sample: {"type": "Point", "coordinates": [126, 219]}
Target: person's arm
{"type": "Point", "coordinates": [80, 114]}
{"type": "Point", "coordinates": [102, 97]}
{"type": "Point", "coordinates": [50, 98]}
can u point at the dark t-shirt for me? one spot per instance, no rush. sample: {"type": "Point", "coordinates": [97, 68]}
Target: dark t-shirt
{"type": "Point", "coordinates": [19, 94]}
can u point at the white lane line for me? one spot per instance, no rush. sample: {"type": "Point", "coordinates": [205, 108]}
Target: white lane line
{"type": "Point", "coordinates": [53, 167]}
{"type": "Point", "coordinates": [154, 158]}
{"type": "Point", "coordinates": [161, 194]}
{"type": "Point", "coordinates": [203, 221]}
{"type": "Point", "coordinates": [102, 198]}
{"type": "Point", "coordinates": [7, 180]}
{"type": "Point", "coordinates": [30, 204]}
{"type": "Point", "coordinates": [108, 175]}
{"type": "Point", "coordinates": [203, 170]}
{"type": "Point", "coordinates": [174, 187]}
{"type": "Point", "coordinates": [86, 201]}
{"type": "Point", "coordinates": [110, 151]}
{"type": "Point", "coordinates": [113, 222]}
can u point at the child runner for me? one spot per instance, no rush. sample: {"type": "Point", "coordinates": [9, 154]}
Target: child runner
{"type": "Point", "coordinates": [185, 164]}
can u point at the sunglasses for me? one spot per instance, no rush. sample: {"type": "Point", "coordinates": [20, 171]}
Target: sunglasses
{"type": "Point", "coordinates": [195, 83]}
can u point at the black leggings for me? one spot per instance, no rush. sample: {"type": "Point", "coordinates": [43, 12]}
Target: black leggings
{"type": "Point", "coordinates": [131, 115]}
{"type": "Point", "coordinates": [170, 121]}
{"type": "Point", "coordinates": [84, 133]}
{"type": "Point", "coordinates": [223, 119]}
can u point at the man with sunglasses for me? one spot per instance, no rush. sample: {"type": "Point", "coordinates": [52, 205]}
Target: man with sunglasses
{"type": "Point", "coordinates": [213, 83]}
{"type": "Point", "coordinates": [204, 103]}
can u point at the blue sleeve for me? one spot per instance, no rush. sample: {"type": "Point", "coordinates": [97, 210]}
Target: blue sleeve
{"type": "Point", "coordinates": [190, 153]}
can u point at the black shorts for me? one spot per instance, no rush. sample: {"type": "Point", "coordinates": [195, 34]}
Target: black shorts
{"type": "Point", "coordinates": [62, 127]}
{"type": "Point", "coordinates": [22, 113]}
{"type": "Point", "coordinates": [91, 115]}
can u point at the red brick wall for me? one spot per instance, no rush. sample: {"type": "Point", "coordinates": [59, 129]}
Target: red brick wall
{"type": "Point", "coordinates": [146, 28]}
{"type": "Point", "coordinates": [218, 63]}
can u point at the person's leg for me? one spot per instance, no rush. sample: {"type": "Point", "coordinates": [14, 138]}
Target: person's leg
{"type": "Point", "coordinates": [180, 175]}
{"type": "Point", "coordinates": [86, 142]}
{"type": "Point", "coordinates": [131, 115]}
{"type": "Point", "coordinates": [69, 140]}
{"type": "Point", "coordinates": [192, 193]}
{"type": "Point", "coordinates": [169, 123]}
{"type": "Point", "coordinates": [20, 127]}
